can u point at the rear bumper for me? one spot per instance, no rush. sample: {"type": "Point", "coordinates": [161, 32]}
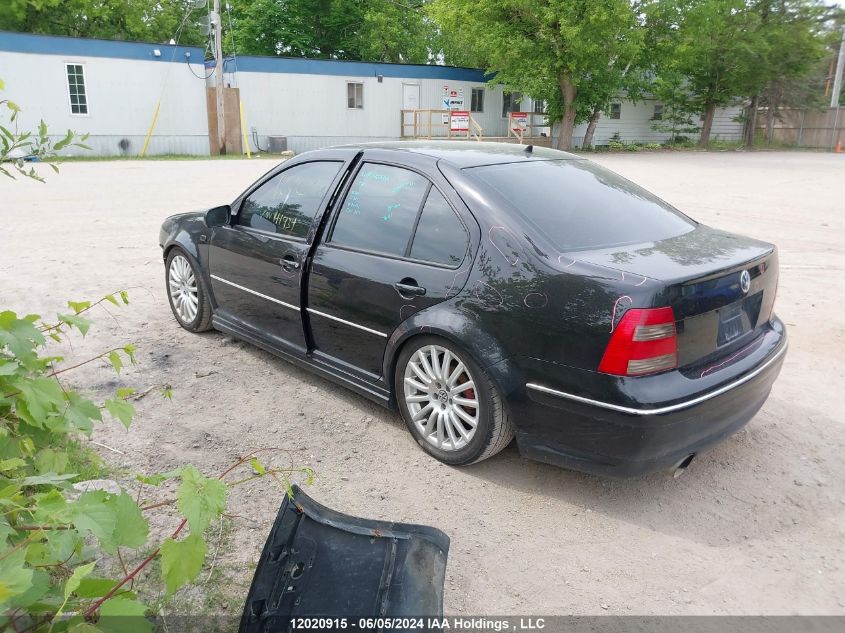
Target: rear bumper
{"type": "Point", "coordinates": [609, 439]}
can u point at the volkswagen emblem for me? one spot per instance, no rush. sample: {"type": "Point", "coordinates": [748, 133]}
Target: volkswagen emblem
{"type": "Point", "coordinates": [745, 281]}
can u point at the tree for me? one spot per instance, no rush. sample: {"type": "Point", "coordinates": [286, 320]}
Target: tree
{"type": "Point", "coordinates": [733, 51]}
{"type": "Point", "coordinates": [798, 36]}
{"type": "Point", "coordinates": [716, 45]}
{"type": "Point", "coordinates": [607, 85]}
{"type": "Point", "coordinates": [570, 52]}
{"type": "Point", "coordinates": [679, 113]}
{"type": "Point", "coordinates": [375, 30]}
{"type": "Point", "coordinates": [139, 20]}
{"type": "Point", "coordinates": [397, 32]}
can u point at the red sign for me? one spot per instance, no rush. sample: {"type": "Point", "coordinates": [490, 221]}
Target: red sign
{"type": "Point", "coordinates": [459, 121]}
{"type": "Point", "coordinates": [519, 120]}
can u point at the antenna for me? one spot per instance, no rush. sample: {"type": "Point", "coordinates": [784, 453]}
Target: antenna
{"type": "Point", "coordinates": [529, 149]}
{"type": "Point", "coordinates": [204, 24]}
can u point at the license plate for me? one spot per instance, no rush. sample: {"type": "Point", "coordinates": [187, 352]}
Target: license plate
{"type": "Point", "coordinates": [731, 323]}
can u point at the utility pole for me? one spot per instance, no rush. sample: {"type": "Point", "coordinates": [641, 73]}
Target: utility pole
{"type": "Point", "coordinates": [218, 76]}
{"type": "Point", "coordinates": [837, 79]}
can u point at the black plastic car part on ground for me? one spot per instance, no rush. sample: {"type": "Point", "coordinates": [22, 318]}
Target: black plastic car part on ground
{"type": "Point", "coordinates": [329, 571]}
{"type": "Point", "coordinates": [492, 291]}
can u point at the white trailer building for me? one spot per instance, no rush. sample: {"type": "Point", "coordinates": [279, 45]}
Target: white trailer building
{"type": "Point", "coordinates": [117, 91]}
{"type": "Point", "coordinates": [109, 90]}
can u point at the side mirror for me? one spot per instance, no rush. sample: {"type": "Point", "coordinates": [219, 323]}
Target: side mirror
{"type": "Point", "coordinates": [218, 216]}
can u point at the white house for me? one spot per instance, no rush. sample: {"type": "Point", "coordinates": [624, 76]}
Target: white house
{"type": "Point", "coordinates": [118, 91]}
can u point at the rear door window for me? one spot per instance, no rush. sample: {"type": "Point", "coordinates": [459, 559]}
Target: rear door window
{"type": "Point", "coordinates": [287, 203]}
{"type": "Point", "coordinates": [380, 210]}
{"type": "Point", "coordinates": [578, 205]}
{"type": "Point", "coordinates": [440, 237]}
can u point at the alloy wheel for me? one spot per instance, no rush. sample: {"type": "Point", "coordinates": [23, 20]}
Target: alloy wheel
{"type": "Point", "coordinates": [183, 289]}
{"type": "Point", "coordinates": [441, 397]}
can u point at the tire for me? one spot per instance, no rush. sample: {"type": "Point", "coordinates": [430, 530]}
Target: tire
{"type": "Point", "coordinates": [186, 287]}
{"type": "Point", "coordinates": [437, 411]}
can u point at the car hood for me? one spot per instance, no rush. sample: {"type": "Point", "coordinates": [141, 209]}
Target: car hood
{"type": "Point", "coordinates": [187, 215]}
{"type": "Point", "coordinates": [317, 561]}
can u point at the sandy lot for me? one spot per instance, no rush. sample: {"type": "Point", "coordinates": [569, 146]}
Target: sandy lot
{"type": "Point", "coordinates": [755, 526]}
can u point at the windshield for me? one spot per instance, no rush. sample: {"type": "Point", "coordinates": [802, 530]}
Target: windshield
{"type": "Point", "coordinates": [578, 205]}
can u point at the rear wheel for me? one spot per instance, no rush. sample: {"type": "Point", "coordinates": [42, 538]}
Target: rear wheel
{"type": "Point", "coordinates": [449, 403]}
{"type": "Point", "coordinates": [187, 292]}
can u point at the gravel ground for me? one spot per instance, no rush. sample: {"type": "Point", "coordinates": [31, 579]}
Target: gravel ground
{"type": "Point", "coordinates": [756, 526]}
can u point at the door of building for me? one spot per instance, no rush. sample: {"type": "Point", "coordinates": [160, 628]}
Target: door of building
{"type": "Point", "coordinates": [410, 96]}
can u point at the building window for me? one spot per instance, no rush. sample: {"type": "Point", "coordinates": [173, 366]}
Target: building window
{"type": "Point", "coordinates": [477, 100]}
{"type": "Point", "coordinates": [539, 106]}
{"type": "Point", "coordinates": [615, 110]}
{"type": "Point", "coordinates": [76, 89]}
{"type": "Point", "coordinates": [355, 96]}
{"type": "Point", "coordinates": [511, 102]}
{"type": "Point", "coordinates": [658, 112]}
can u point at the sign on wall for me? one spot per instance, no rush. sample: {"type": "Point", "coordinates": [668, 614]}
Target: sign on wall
{"type": "Point", "coordinates": [459, 121]}
{"type": "Point", "coordinates": [453, 99]}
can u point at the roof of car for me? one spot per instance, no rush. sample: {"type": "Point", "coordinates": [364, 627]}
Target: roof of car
{"type": "Point", "coordinates": [471, 153]}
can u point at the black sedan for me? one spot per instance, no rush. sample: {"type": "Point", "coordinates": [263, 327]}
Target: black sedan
{"type": "Point", "coordinates": [491, 291]}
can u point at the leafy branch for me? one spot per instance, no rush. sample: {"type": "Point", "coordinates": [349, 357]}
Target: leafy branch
{"type": "Point", "coordinates": [47, 564]}
{"type": "Point", "coordinates": [16, 147]}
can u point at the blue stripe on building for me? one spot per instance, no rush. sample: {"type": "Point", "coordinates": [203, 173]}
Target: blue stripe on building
{"type": "Point", "coordinates": [79, 47]}
{"type": "Point", "coordinates": [303, 66]}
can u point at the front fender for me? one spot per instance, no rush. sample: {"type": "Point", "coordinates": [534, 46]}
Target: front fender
{"type": "Point", "coordinates": [459, 327]}
{"type": "Point", "coordinates": [189, 232]}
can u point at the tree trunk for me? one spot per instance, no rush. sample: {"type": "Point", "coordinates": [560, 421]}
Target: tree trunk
{"type": "Point", "coordinates": [567, 124]}
{"type": "Point", "coordinates": [591, 129]}
{"type": "Point", "coordinates": [770, 124]}
{"type": "Point", "coordinates": [709, 113]}
{"type": "Point", "coordinates": [751, 122]}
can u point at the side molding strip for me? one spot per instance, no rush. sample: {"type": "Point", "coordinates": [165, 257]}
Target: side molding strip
{"type": "Point", "coordinates": [674, 407]}
{"type": "Point", "coordinates": [345, 322]}
{"type": "Point", "coordinates": [253, 292]}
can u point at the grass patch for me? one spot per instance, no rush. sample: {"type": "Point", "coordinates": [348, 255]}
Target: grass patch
{"type": "Point", "coordinates": [718, 145]}
{"type": "Point", "coordinates": [83, 460]}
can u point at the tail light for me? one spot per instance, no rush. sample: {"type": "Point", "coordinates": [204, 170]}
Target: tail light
{"type": "Point", "coordinates": [644, 342]}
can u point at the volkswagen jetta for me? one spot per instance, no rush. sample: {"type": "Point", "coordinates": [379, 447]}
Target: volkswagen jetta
{"type": "Point", "coordinates": [491, 291]}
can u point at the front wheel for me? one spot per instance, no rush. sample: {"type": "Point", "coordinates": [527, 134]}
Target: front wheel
{"type": "Point", "coordinates": [449, 403]}
{"type": "Point", "coordinates": [187, 292]}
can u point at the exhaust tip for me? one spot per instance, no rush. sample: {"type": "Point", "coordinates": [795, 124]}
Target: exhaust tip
{"type": "Point", "coordinates": [681, 466]}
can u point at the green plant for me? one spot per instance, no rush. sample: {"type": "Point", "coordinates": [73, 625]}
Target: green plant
{"type": "Point", "coordinates": [652, 146]}
{"type": "Point", "coordinates": [17, 148]}
{"type": "Point", "coordinates": [614, 144]}
{"type": "Point", "coordinates": [633, 147]}
{"type": "Point", "coordinates": [722, 145]}
{"type": "Point", "coordinates": [680, 142]}
{"type": "Point", "coordinates": [59, 545]}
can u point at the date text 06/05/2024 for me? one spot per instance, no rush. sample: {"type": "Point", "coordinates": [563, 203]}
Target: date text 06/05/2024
{"type": "Point", "coordinates": [468, 625]}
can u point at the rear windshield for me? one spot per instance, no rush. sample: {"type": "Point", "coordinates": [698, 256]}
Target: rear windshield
{"type": "Point", "coordinates": [578, 205]}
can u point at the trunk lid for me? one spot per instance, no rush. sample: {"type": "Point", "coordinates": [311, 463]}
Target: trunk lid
{"type": "Point", "coordinates": [719, 310]}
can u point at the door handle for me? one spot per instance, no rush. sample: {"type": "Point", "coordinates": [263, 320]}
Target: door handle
{"type": "Point", "coordinates": [409, 287]}
{"type": "Point", "coordinates": [289, 262]}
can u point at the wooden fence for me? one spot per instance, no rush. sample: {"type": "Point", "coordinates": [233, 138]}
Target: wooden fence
{"type": "Point", "coordinates": [811, 129]}
{"type": "Point", "coordinates": [438, 123]}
